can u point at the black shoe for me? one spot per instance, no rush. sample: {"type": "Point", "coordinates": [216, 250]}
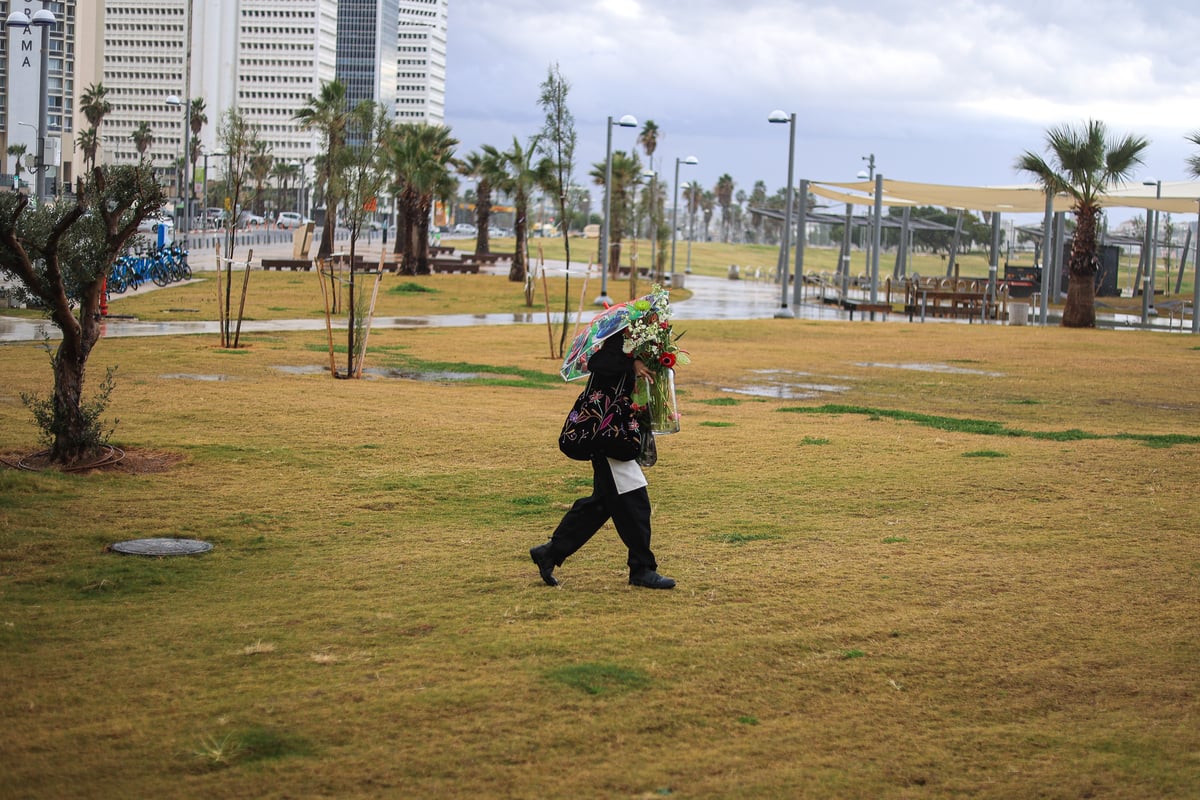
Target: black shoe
{"type": "Point", "coordinates": [651, 580]}
{"type": "Point", "coordinates": [545, 563]}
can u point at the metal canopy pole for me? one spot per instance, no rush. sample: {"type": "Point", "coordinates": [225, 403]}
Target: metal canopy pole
{"type": "Point", "coordinates": [958, 221]}
{"type": "Point", "coordinates": [1047, 224]}
{"type": "Point", "coordinates": [801, 235]}
{"type": "Point", "coordinates": [876, 239]}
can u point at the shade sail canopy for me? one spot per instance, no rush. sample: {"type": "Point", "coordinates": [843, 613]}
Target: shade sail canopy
{"type": "Point", "coordinates": [1179, 197]}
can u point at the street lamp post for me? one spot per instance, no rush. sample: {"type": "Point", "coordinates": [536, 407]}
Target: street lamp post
{"type": "Point", "coordinates": [1148, 276]}
{"type": "Point", "coordinates": [42, 18]}
{"type": "Point", "coordinates": [186, 195]}
{"type": "Point", "coordinates": [626, 121]}
{"type": "Point", "coordinates": [691, 161]}
{"type": "Point", "coordinates": [653, 176]}
{"type": "Point", "coordinates": [691, 196]}
{"type": "Point", "coordinates": [785, 247]}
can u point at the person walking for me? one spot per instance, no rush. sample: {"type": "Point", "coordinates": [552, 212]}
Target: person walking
{"type": "Point", "coordinates": [618, 488]}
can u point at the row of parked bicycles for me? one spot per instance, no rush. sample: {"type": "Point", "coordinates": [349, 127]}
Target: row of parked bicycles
{"type": "Point", "coordinates": [163, 265]}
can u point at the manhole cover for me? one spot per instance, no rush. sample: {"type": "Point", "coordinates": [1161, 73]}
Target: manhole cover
{"type": "Point", "coordinates": [162, 547]}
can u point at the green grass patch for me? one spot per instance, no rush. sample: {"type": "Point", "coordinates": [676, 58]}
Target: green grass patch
{"type": "Point", "coordinates": [814, 440]}
{"type": "Point", "coordinates": [983, 427]}
{"type": "Point", "coordinates": [411, 287]}
{"type": "Point", "coordinates": [985, 454]}
{"type": "Point", "coordinates": [852, 654]}
{"type": "Point", "coordinates": [599, 678]}
{"type": "Point", "coordinates": [715, 424]}
{"type": "Point", "coordinates": [894, 539]}
{"type": "Point", "coordinates": [720, 401]}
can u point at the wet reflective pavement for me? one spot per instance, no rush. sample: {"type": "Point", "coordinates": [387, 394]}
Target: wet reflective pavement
{"type": "Point", "coordinates": [712, 299]}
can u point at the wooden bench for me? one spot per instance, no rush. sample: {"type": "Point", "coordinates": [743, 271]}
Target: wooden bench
{"type": "Point", "coordinates": [866, 307]}
{"type": "Point", "coordinates": [440, 250]}
{"type": "Point", "coordinates": [453, 265]}
{"type": "Point", "coordinates": [287, 263]}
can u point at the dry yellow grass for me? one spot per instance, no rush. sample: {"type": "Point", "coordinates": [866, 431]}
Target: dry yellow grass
{"type": "Point", "coordinates": [868, 606]}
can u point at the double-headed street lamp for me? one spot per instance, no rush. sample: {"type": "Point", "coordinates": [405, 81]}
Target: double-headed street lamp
{"type": "Point", "coordinates": [785, 247]}
{"type": "Point", "coordinates": [626, 121]}
{"type": "Point", "coordinates": [691, 161]}
{"type": "Point", "coordinates": [42, 18]}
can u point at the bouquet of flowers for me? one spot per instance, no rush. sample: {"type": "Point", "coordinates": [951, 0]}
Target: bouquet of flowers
{"type": "Point", "coordinates": [650, 338]}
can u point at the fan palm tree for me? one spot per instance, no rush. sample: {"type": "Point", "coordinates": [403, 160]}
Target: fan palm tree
{"type": "Point", "coordinates": [724, 190]}
{"type": "Point", "coordinates": [18, 152]}
{"type": "Point", "coordinates": [1193, 162]}
{"type": "Point", "coordinates": [421, 160]}
{"type": "Point", "coordinates": [327, 114]}
{"type": "Point", "coordinates": [260, 170]}
{"type": "Point", "coordinates": [1083, 163]}
{"type": "Point", "coordinates": [521, 175]}
{"type": "Point", "coordinates": [486, 166]}
{"type": "Point", "coordinates": [626, 169]}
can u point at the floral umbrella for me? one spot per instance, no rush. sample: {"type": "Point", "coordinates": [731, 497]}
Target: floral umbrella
{"type": "Point", "coordinates": [609, 321]}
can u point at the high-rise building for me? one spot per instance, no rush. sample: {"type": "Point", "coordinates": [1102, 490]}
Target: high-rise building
{"type": "Point", "coordinates": [265, 57]}
{"type": "Point", "coordinates": [421, 70]}
{"type": "Point", "coordinates": [21, 90]}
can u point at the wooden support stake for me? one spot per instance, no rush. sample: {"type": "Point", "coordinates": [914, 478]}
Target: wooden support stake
{"type": "Point", "coordinates": [237, 336]}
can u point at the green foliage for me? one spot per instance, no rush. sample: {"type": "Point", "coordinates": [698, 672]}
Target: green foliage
{"type": "Point", "coordinates": [410, 287]}
{"type": "Point", "coordinates": [53, 421]}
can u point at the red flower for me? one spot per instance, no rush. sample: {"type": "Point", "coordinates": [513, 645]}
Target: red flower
{"type": "Point", "coordinates": [667, 360]}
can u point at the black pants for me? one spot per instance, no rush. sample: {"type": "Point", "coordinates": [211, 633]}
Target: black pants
{"type": "Point", "coordinates": [630, 513]}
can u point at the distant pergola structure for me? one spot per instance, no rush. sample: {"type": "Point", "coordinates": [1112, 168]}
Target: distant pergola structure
{"type": "Point", "coordinates": [1175, 197]}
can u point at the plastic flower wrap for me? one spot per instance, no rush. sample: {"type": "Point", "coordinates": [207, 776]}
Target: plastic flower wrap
{"type": "Point", "coordinates": [650, 338]}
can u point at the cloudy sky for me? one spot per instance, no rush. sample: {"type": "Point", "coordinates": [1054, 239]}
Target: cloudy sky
{"type": "Point", "coordinates": [943, 91]}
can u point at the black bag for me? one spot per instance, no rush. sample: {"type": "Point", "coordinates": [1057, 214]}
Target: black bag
{"type": "Point", "coordinates": [601, 423]}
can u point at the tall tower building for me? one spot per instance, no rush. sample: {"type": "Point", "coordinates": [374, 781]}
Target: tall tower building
{"type": "Point", "coordinates": [366, 50]}
{"type": "Point", "coordinates": [21, 91]}
{"type": "Point", "coordinates": [421, 70]}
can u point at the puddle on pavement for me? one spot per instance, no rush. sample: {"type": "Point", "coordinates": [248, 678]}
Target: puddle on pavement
{"type": "Point", "coordinates": [184, 376]}
{"type": "Point", "coordinates": [942, 368]}
{"type": "Point", "coordinates": [782, 384]}
{"type": "Point", "coordinates": [307, 369]}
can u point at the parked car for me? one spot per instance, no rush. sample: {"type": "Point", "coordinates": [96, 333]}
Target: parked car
{"type": "Point", "coordinates": [291, 219]}
{"type": "Point", "coordinates": [248, 218]}
{"type": "Point", "coordinates": [465, 229]}
{"type": "Point", "coordinates": [150, 224]}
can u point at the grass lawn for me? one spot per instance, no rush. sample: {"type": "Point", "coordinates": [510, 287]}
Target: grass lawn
{"type": "Point", "coordinates": [931, 561]}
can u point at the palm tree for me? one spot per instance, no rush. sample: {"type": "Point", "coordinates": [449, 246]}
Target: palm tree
{"type": "Point", "coordinates": [1083, 163]}
{"type": "Point", "coordinates": [93, 105]}
{"type": "Point", "coordinates": [724, 190]}
{"type": "Point", "coordinates": [143, 138]}
{"type": "Point", "coordinates": [1193, 162]}
{"type": "Point", "coordinates": [626, 169]}
{"type": "Point", "coordinates": [487, 168]}
{"type": "Point", "coordinates": [521, 175]}
{"type": "Point", "coordinates": [284, 173]}
{"type": "Point", "coordinates": [327, 114]}
{"type": "Point", "coordinates": [421, 160]}
{"type": "Point", "coordinates": [198, 118]}
{"type": "Point", "coordinates": [260, 169]}
{"type": "Point", "coordinates": [95, 108]}
{"type": "Point", "coordinates": [18, 151]}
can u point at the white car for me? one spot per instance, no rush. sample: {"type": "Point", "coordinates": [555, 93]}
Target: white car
{"type": "Point", "coordinates": [465, 229]}
{"type": "Point", "coordinates": [248, 218]}
{"type": "Point", "coordinates": [290, 219]}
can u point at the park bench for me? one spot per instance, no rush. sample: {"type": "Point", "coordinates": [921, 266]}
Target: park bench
{"type": "Point", "coordinates": [287, 263]}
{"type": "Point", "coordinates": [866, 307]}
{"type": "Point", "coordinates": [453, 265]}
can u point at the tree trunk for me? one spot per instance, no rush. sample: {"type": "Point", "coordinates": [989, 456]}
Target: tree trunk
{"type": "Point", "coordinates": [516, 272]}
{"type": "Point", "coordinates": [1080, 308]}
{"type": "Point", "coordinates": [327, 232]}
{"type": "Point", "coordinates": [483, 216]}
